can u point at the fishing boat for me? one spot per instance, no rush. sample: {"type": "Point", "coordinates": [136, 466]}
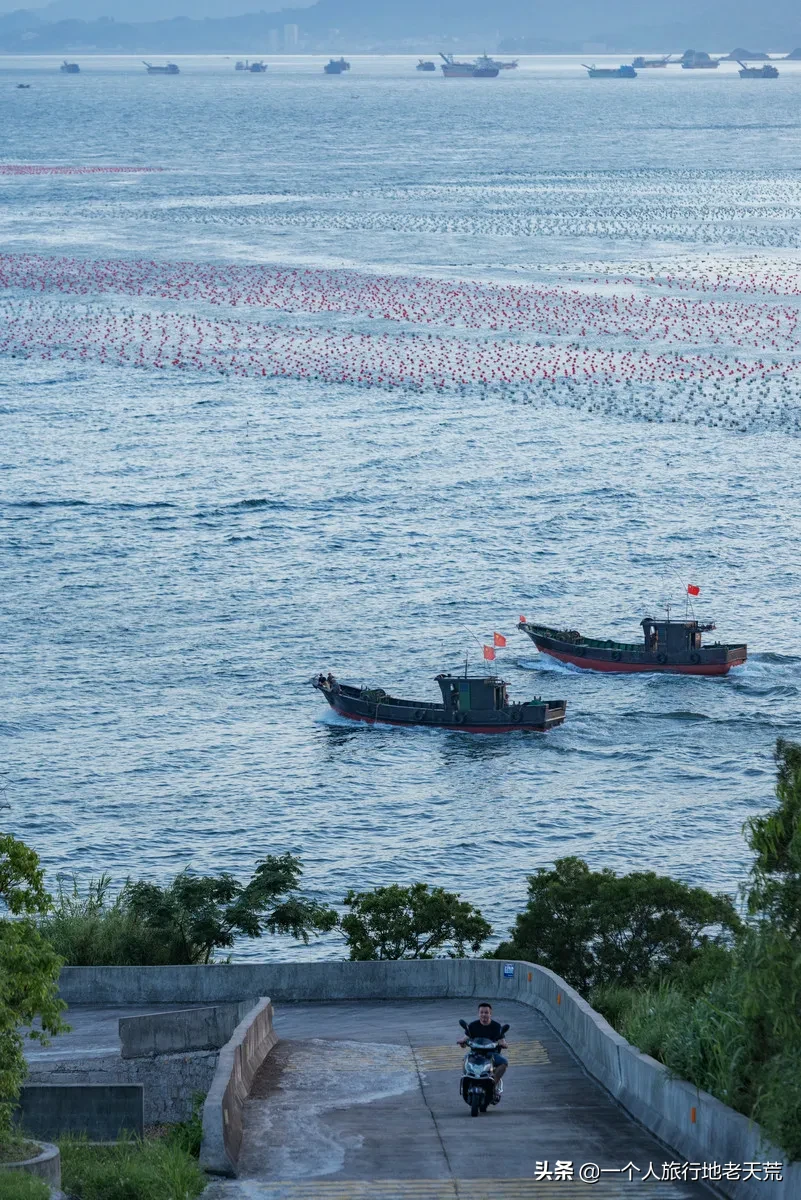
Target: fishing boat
{"type": "Point", "coordinates": [766, 71]}
{"type": "Point", "coordinates": [169, 69]}
{"type": "Point", "coordinates": [672, 646]}
{"type": "Point", "coordinates": [470, 704]}
{"type": "Point", "coordinates": [69, 68]}
{"type": "Point", "coordinates": [623, 72]}
{"type": "Point", "coordinates": [257, 68]}
{"type": "Point", "coordinates": [643, 64]}
{"type": "Point", "coordinates": [480, 68]}
{"type": "Point", "coordinates": [426, 65]}
{"type": "Point", "coordinates": [335, 66]}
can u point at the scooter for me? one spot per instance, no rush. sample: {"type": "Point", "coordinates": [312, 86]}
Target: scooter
{"type": "Point", "coordinates": [477, 1085]}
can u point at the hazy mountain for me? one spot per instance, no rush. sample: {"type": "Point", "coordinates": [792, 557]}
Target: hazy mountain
{"type": "Point", "coordinates": [139, 11]}
{"type": "Point", "coordinates": [525, 25]}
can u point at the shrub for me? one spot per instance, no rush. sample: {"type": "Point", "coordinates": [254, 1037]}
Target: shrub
{"type": "Point", "coordinates": [411, 922]}
{"type": "Point", "coordinates": [184, 922]}
{"type": "Point", "coordinates": [134, 1170]}
{"type": "Point", "coordinates": [595, 927]}
{"type": "Point", "coordinates": [28, 969]}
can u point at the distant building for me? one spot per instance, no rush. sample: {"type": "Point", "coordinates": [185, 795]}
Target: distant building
{"type": "Point", "coordinates": [291, 37]}
{"type": "Point", "coordinates": [274, 41]}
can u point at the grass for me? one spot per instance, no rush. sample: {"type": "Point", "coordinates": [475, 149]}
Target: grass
{"type": "Point", "coordinates": [134, 1170]}
{"type": "Point", "coordinates": [18, 1185]}
{"type": "Point", "coordinates": [16, 1149]}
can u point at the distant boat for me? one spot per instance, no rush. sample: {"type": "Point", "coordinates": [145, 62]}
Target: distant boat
{"type": "Point", "coordinates": [426, 65]}
{"type": "Point", "coordinates": [642, 63]}
{"type": "Point", "coordinates": [481, 68]}
{"type": "Point", "coordinates": [698, 60]}
{"type": "Point", "coordinates": [767, 71]}
{"type": "Point", "coordinates": [70, 68]}
{"type": "Point", "coordinates": [257, 68]}
{"type": "Point", "coordinates": [512, 65]}
{"type": "Point", "coordinates": [335, 66]}
{"type": "Point", "coordinates": [623, 72]}
{"type": "Point", "coordinates": [170, 69]}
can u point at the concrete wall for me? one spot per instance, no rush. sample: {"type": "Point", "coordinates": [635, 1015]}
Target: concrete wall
{"type": "Point", "coordinates": [697, 1127]}
{"type": "Point", "coordinates": [239, 1061]}
{"type": "Point", "coordinates": [101, 1113]}
{"type": "Point", "coordinates": [170, 1081]}
{"type": "Point", "coordinates": [181, 1031]}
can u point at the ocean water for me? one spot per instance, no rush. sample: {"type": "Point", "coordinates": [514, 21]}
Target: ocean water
{"type": "Point", "coordinates": [359, 370]}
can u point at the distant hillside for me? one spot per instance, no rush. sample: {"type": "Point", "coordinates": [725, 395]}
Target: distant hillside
{"type": "Point", "coordinates": [525, 25]}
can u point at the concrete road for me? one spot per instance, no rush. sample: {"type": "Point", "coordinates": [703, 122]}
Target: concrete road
{"type": "Point", "coordinates": [93, 1033]}
{"type": "Point", "coordinates": [361, 1102]}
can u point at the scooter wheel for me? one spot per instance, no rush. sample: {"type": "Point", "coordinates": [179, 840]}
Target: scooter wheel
{"type": "Point", "coordinates": [474, 1107]}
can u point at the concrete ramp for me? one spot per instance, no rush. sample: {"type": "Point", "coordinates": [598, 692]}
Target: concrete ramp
{"type": "Point", "coordinates": [360, 1101]}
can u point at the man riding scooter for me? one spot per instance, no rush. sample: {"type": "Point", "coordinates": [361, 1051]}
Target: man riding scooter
{"type": "Point", "coordinates": [491, 1030]}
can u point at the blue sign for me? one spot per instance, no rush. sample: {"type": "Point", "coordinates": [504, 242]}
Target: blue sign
{"type": "Point", "coordinates": [508, 970]}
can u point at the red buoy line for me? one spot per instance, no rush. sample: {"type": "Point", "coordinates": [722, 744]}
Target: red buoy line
{"type": "Point", "coordinates": [37, 169]}
{"type": "Point", "coordinates": [655, 357]}
{"type": "Point", "coordinates": [554, 312]}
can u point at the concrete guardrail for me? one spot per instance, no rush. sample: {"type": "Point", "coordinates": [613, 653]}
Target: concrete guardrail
{"type": "Point", "coordinates": [239, 1060]}
{"type": "Point", "coordinates": [182, 1030]}
{"type": "Point", "coordinates": [697, 1127]}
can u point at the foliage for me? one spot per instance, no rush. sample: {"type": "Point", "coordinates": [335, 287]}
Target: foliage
{"type": "Point", "coordinates": [595, 927]}
{"type": "Point", "coordinates": [731, 1022]}
{"type": "Point", "coordinates": [411, 922]}
{"type": "Point", "coordinates": [775, 838]}
{"type": "Point", "coordinates": [28, 969]}
{"type": "Point", "coordinates": [187, 1135]}
{"type": "Point", "coordinates": [18, 1185]}
{"type": "Point", "coordinates": [132, 1170]}
{"type": "Point", "coordinates": [187, 920]}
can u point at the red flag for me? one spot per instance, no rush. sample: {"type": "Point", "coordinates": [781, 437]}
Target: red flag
{"type": "Point", "coordinates": [498, 639]}
{"type": "Point", "coordinates": [522, 619]}
{"type": "Point", "coordinates": [489, 653]}
{"type": "Point", "coordinates": [693, 590]}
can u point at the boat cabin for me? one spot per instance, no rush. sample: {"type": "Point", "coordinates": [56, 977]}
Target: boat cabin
{"type": "Point", "coordinates": [473, 693]}
{"type": "Point", "coordinates": [673, 637]}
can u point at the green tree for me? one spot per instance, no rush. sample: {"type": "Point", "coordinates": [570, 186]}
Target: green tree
{"type": "Point", "coordinates": [596, 928]}
{"type": "Point", "coordinates": [185, 921]}
{"type": "Point", "coordinates": [775, 838]}
{"type": "Point", "coordinates": [411, 922]}
{"type": "Point", "coordinates": [29, 969]}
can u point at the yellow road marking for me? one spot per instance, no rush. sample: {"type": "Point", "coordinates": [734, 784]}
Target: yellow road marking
{"type": "Point", "coordinates": [449, 1058]}
{"type": "Point", "coordinates": [452, 1189]}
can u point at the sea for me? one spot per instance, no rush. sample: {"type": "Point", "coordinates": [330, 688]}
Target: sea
{"type": "Point", "coordinates": [303, 373]}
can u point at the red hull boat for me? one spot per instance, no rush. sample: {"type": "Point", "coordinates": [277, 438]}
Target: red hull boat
{"type": "Point", "coordinates": [671, 647]}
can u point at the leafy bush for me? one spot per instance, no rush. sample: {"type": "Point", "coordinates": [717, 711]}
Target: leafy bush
{"type": "Point", "coordinates": [135, 1170]}
{"type": "Point", "coordinates": [28, 969]}
{"type": "Point", "coordinates": [17, 1185]}
{"type": "Point", "coordinates": [411, 922]}
{"type": "Point", "coordinates": [595, 928]}
{"type": "Point", "coordinates": [184, 922]}
{"type": "Point", "coordinates": [730, 1022]}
